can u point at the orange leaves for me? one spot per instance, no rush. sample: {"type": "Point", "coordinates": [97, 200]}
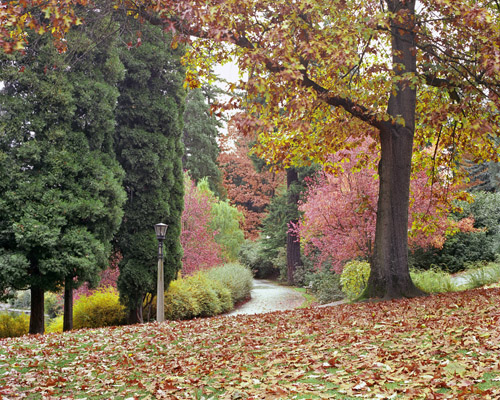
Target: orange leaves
{"type": "Point", "coordinates": [444, 347]}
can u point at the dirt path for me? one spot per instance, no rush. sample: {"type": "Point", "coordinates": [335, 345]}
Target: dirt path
{"type": "Point", "coordinates": [268, 296]}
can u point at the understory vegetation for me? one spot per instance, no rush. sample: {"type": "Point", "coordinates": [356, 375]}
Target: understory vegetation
{"type": "Point", "coordinates": [205, 294]}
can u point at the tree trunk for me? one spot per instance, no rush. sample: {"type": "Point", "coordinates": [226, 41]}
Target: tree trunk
{"type": "Point", "coordinates": [37, 322]}
{"type": "Point", "coordinates": [135, 315]}
{"type": "Point", "coordinates": [390, 276]}
{"type": "Point", "coordinates": [292, 239]}
{"type": "Point", "coordinates": [68, 306]}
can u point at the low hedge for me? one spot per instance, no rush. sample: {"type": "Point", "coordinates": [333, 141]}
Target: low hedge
{"type": "Point", "coordinates": [236, 277]}
{"type": "Point", "coordinates": [207, 293]}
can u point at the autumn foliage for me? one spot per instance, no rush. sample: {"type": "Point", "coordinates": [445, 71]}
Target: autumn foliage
{"type": "Point", "coordinates": [437, 347]}
{"type": "Point", "coordinates": [340, 209]}
{"type": "Point", "coordinates": [247, 188]}
{"type": "Point", "coordinates": [201, 251]}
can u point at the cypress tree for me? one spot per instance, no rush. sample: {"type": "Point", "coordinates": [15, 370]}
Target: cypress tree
{"type": "Point", "coordinates": [149, 148]}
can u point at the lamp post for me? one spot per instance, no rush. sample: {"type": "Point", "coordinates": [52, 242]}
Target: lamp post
{"type": "Point", "coordinates": [161, 230]}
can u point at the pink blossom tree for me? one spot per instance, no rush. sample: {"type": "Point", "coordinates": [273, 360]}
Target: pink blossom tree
{"type": "Point", "coordinates": [201, 251]}
{"type": "Point", "coordinates": [341, 204]}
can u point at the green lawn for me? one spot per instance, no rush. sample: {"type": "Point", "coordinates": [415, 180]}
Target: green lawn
{"type": "Point", "coordinates": [438, 347]}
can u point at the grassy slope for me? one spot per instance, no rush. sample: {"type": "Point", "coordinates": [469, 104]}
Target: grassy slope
{"type": "Point", "coordinates": [445, 345]}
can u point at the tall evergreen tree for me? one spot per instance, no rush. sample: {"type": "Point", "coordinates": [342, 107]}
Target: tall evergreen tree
{"type": "Point", "coordinates": [61, 196]}
{"type": "Point", "coordinates": [94, 71]}
{"type": "Point", "coordinates": [149, 148]}
{"type": "Point", "coordinates": [199, 138]}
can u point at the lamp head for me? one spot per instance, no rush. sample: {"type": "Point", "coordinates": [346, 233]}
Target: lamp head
{"type": "Point", "coordinates": [161, 230]}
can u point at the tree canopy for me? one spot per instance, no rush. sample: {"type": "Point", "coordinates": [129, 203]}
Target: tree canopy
{"type": "Point", "coordinates": [319, 72]}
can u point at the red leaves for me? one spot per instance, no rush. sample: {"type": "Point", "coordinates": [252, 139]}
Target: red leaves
{"type": "Point", "coordinates": [443, 347]}
{"type": "Point", "coordinates": [197, 239]}
{"type": "Point", "coordinates": [248, 189]}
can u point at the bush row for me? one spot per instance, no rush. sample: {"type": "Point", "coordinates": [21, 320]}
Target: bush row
{"type": "Point", "coordinates": [208, 293]}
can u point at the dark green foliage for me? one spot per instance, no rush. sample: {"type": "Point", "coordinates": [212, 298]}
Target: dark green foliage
{"type": "Point", "coordinates": [61, 196]}
{"type": "Point", "coordinates": [282, 211]}
{"type": "Point", "coordinates": [464, 248]}
{"type": "Point", "coordinates": [148, 146]}
{"type": "Point", "coordinates": [199, 138]}
{"type": "Point", "coordinates": [252, 255]}
{"type": "Point", "coordinates": [326, 286]}
{"type": "Point", "coordinates": [485, 176]}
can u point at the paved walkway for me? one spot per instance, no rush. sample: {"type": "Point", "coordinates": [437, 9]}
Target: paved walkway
{"type": "Point", "coordinates": [268, 296]}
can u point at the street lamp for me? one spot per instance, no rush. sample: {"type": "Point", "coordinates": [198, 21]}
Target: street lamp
{"type": "Point", "coordinates": [161, 230]}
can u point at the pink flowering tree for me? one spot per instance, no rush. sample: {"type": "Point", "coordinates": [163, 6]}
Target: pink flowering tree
{"type": "Point", "coordinates": [108, 278]}
{"type": "Point", "coordinates": [340, 207]}
{"type": "Point", "coordinates": [201, 251]}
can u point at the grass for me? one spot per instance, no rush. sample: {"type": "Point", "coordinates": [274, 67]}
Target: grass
{"type": "Point", "coordinates": [483, 275]}
{"type": "Point", "coordinates": [438, 281]}
{"type": "Point", "coordinates": [442, 346]}
{"type": "Point", "coordinates": [433, 281]}
{"type": "Point", "coordinates": [310, 299]}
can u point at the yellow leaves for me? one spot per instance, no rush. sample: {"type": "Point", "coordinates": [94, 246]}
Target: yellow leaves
{"type": "Point", "coordinates": [192, 80]}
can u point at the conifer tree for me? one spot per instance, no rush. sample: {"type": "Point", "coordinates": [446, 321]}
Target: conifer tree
{"type": "Point", "coordinates": [199, 138]}
{"type": "Point", "coordinates": [61, 194]}
{"type": "Point", "coordinates": [149, 148]}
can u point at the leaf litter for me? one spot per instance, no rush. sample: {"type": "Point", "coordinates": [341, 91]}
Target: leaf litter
{"type": "Point", "coordinates": [443, 346]}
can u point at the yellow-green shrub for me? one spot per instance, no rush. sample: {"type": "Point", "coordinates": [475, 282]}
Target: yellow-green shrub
{"type": "Point", "coordinates": [180, 301]}
{"type": "Point", "coordinates": [236, 277]}
{"type": "Point", "coordinates": [55, 325]}
{"type": "Point", "coordinates": [206, 296]}
{"type": "Point", "coordinates": [101, 308]}
{"type": "Point", "coordinates": [12, 325]}
{"type": "Point", "coordinates": [224, 295]}
{"type": "Point", "coordinates": [354, 278]}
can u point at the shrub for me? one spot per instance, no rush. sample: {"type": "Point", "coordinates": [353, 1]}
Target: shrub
{"type": "Point", "coordinates": [55, 325]}
{"type": "Point", "coordinates": [180, 301]}
{"type": "Point", "coordinates": [467, 247]}
{"type": "Point", "coordinates": [236, 277]}
{"type": "Point", "coordinates": [207, 293]}
{"type": "Point", "coordinates": [252, 255]}
{"type": "Point", "coordinates": [53, 304]}
{"type": "Point", "coordinates": [224, 295]}
{"type": "Point", "coordinates": [102, 308]}
{"type": "Point", "coordinates": [354, 278]}
{"type": "Point", "coordinates": [433, 281]}
{"type": "Point", "coordinates": [12, 325]}
{"type": "Point", "coordinates": [326, 286]}
{"type": "Point", "coordinates": [206, 296]}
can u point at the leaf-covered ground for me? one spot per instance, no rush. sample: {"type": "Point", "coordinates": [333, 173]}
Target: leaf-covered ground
{"type": "Point", "coordinates": [438, 347]}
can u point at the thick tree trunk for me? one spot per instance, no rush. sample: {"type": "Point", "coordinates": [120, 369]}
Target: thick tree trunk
{"type": "Point", "coordinates": [293, 259]}
{"type": "Point", "coordinates": [68, 306]}
{"type": "Point", "coordinates": [390, 277]}
{"type": "Point", "coordinates": [37, 321]}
